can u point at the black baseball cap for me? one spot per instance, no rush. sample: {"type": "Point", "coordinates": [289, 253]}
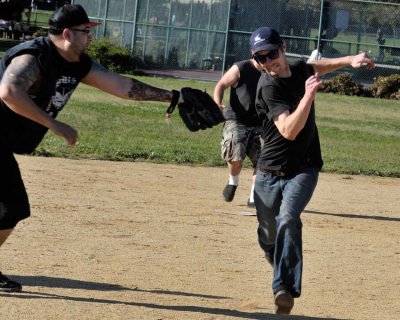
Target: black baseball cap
{"type": "Point", "coordinates": [67, 16]}
{"type": "Point", "coordinates": [265, 38]}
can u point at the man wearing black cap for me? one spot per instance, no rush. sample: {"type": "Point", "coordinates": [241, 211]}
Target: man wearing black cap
{"type": "Point", "coordinates": [37, 80]}
{"type": "Point", "coordinates": [290, 159]}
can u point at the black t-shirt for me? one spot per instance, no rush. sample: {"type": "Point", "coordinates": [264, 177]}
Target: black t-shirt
{"type": "Point", "coordinates": [59, 79]}
{"type": "Point", "coordinates": [275, 96]}
{"type": "Point", "coordinates": [241, 105]}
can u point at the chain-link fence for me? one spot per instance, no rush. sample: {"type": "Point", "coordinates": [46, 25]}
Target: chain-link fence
{"type": "Point", "coordinates": [212, 34]}
{"type": "Point", "coordinates": [336, 28]}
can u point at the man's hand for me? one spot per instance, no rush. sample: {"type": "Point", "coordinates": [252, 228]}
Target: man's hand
{"type": "Point", "coordinates": [362, 59]}
{"type": "Point", "coordinates": [313, 83]}
{"type": "Point", "coordinates": [65, 131]}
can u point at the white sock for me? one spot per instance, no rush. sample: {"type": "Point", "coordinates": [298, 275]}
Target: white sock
{"type": "Point", "coordinates": [233, 180]}
{"type": "Point", "coordinates": [251, 197]}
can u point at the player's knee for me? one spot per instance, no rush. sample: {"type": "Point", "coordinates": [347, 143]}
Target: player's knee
{"type": "Point", "coordinates": [237, 164]}
{"type": "Point", "coordinates": [290, 221]}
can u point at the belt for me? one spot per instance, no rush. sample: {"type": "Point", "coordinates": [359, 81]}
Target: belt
{"type": "Point", "coordinates": [278, 173]}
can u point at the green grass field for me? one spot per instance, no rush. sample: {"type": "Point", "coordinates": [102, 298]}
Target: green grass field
{"type": "Point", "coordinates": [39, 18]}
{"type": "Point", "coordinates": [358, 135]}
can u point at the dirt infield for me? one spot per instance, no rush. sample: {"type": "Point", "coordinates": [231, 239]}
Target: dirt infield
{"type": "Point", "coordinates": [118, 240]}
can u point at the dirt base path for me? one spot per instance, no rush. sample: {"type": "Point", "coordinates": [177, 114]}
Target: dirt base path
{"type": "Point", "coordinates": [117, 240]}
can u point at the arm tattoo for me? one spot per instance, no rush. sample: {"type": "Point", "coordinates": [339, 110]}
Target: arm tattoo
{"type": "Point", "coordinates": [142, 91]}
{"type": "Point", "coordinates": [131, 88]}
{"type": "Point", "coordinates": [23, 72]}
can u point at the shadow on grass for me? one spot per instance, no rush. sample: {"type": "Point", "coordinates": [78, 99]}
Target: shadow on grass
{"type": "Point", "coordinates": [52, 282]}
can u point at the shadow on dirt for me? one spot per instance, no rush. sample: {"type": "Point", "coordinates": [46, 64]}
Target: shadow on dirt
{"type": "Point", "coordinates": [354, 216]}
{"type": "Point", "coordinates": [51, 282]}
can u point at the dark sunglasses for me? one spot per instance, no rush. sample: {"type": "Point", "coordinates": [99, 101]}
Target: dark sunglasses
{"type": "Point", "coordinates": [262, 58]}
{"type": "Point", "coordinates": [87, 31]}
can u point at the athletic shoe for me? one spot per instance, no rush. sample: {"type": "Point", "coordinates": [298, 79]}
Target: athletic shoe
{"type": "Point", "coordinates": [7, 285]}
{"type": "Point", "coordinates": [284, 302]}
{"type": "Point", "coordinates": [229, 192]}
{"type": "Point", "coordinates": [251, 204]}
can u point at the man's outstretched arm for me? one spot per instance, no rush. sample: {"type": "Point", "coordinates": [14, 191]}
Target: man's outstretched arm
{"type": "Point", "coordinates": [328, 65]}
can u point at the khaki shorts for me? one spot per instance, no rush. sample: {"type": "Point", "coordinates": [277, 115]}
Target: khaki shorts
{"type": "Point", "coordinates": [239, 141]}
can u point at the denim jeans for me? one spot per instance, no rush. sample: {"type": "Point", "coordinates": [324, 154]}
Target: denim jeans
{"type": "Point", "coordinates": [279, 202]}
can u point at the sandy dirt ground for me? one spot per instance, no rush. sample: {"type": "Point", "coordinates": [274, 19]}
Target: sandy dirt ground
{"type": "Point", "coordinates": [116, 240]}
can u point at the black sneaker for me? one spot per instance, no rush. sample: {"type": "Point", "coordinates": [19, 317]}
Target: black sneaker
{"type": "Point", "coordinates": [284, 302]}
{"type": "Point", "coordinates": [229, 192]}
{"type": "Point", "coordinates": [251, 204]}
{"type": "Point", "coordinates": [7, 285]}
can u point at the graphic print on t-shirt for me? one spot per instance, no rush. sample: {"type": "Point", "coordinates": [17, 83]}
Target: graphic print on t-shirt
{"type": "Point", "coordinates": [64, 88]}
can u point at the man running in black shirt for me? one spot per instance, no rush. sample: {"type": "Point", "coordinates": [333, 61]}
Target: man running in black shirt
{"type": "Point", "coordinates": [290, 159]}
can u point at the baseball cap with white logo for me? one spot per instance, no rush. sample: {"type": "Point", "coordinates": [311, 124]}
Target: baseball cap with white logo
{"type": "Point", "coordinates": [265, 38]}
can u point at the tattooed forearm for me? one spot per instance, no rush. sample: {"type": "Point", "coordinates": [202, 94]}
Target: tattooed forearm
{"type": "Point", "coordinates": [123, 86]}
{"type": "Point", "coordinates": [142, 91]}
{"type": "Point", "coordinates": [22, 72]}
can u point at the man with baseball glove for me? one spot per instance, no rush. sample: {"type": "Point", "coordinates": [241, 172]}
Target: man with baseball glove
{"type": "Point", "coordinates": [38, 77]}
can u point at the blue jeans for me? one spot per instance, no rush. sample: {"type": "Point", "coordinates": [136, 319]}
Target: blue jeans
{"type": "Point", "coordinates": [279, 202]}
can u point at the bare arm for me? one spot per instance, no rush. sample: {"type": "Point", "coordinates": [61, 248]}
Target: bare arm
{"type": "Point", "coordinates": [289, 125]}
{"type": "Point", "coordinates": [124, 87]}
{"type": "Point", "coordinates": [22, 74]}
{"type": "Point", "coordinates": [328, 65]}
{"type": "Point", "coordinates": [229, 79]}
